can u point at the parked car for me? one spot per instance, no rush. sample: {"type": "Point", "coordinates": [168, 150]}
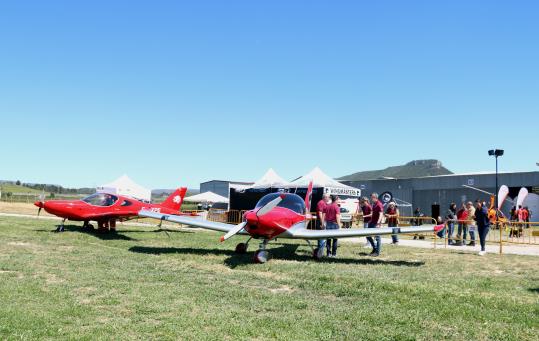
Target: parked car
{"type": "Point", "coordinates": [346, 218]}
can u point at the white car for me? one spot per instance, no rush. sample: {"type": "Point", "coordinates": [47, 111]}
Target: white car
{"type": "Point", "coordinates": [346, 218]}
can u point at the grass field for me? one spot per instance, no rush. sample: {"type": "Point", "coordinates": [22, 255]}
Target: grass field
{"type": "Point", "coordinates": [7, 187]}
{"type": "Point", "coordinates": [141, 284]}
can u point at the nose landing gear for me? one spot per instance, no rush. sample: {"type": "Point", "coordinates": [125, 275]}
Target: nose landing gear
{"type": "Point", "coordinates": [262, 255]}
{"type": "Point", "coordinates": [60, 227]}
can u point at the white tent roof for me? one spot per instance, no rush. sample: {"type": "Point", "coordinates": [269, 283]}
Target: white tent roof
{"type": "Point", "coordinates": [125, 186]}
{"type": "Point", "coordinates": [270, 179]}
{"type": "Point", "coordinates": [206, 197]}
{"type": "Point", "coordinates": [321, 179]}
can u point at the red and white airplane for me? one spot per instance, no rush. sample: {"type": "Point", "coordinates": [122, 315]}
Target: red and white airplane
{"type": "Point", "coordinates": [106, 209]}
{"type": "Point", "coordinates": [281, 215]}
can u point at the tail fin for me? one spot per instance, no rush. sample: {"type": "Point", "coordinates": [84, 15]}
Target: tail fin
{"type": "Point", "coordinates": [175, 200]}
{"type": "Point", "coordinates": [308, 197]}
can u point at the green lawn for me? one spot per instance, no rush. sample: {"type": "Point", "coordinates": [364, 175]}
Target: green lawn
{"type": "Point", "coordinates": [141, 284]}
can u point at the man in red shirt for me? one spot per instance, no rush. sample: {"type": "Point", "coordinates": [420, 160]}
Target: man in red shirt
{"type": "Point", "coordinates": [332, 221]}
{"type": "Point", "coordinates": [320, 210]}
{"type": "Point", "coordinates": [376, 221]}
{"type": "Point", "coordinates": [320, 207]}
{"type": "Point", "coordinates": [366, 208]}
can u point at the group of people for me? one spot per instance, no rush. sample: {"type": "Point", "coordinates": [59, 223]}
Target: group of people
{"type": "Point", "coordinates": [521, 215]}
{"type": "Point", "coordinates": [328, 214]}
{"type": "Point", "coordinates": [469, 218]}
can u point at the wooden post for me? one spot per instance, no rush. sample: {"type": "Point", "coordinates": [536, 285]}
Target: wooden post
{"type": "Point", "coordinates": [501, 241]}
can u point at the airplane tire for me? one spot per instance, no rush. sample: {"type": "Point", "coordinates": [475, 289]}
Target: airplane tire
{"type": "Point", "coordinates": [88, 226]}
{"type": "Point", "coordinates": [317, 254]}
{"type": "Point", "coordinates": [241, 248]}
{"type": "Point", "coordinates": [261, 256]}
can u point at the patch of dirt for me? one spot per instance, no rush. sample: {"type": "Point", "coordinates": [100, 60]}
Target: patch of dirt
{"type": "Point", "coordinates": [282, 289]}
{"type": "Point", "coordinates": [21, 208]}
{"type": "Point", "coordinates": [53, 279]}
{"type": "Point", "coordinates": [17, 274]}
{"type": "Point", "coordinates": [21, 244]}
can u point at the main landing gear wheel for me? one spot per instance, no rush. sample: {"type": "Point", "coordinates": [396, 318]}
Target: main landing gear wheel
{"type": "Point", "coordinates": [261, 256]}
{"type": "Point", "coordinates": [87, 226]}
{"type": "Point", "coordinates": [318, 253]}
{"type": "Point", "coordinates": [241, 248]}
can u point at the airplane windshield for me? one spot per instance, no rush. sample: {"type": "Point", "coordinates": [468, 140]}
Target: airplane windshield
{"type": "Point", "coordinates": [291, 201]}
{"type": "Point", "coordinates": [101, 199]}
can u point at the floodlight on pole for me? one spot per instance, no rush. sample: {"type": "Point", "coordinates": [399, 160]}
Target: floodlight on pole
{"type": "Point", "coordinates": [496, 153]}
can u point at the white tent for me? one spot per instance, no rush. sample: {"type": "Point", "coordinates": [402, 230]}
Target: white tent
{"type": "Point", "coordinates": [270, 179]}
{"type": "Point", "coordinates": [125, 186]}
{"type": "Point", "coordinates": [207, 197]}
{"type": "Point", "coordinates": [321, 179]}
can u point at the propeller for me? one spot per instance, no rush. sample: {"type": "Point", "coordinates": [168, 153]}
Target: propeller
{"type": "Point", "coordinates": [269, 206]}
{"type": "Point", "coordinates": [40, 203]}
{"type": "Point", "coordinates": [262, 211]}
{"type": "Point", "coordinates": [233, 231]}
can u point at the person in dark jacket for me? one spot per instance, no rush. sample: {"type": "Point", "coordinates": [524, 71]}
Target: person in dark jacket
{"type": "Point", "coordinates": [451, 218]}
{"type": "Point", "coordinates": [483, 224]}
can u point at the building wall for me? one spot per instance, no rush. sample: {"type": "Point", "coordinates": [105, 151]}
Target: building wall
{"type": "Point", "coordinates": [442, 190]}
{"type": "Point", "coordinates": [215, 186]}
{"type": "Point", "coordinates": [220, 187]}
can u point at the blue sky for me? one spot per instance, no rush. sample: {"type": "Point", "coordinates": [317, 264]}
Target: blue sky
{"type": "Point", "coordinates": [176, 93]}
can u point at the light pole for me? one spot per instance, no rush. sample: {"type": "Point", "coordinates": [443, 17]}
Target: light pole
{"type": "Point", "coordinates": [496, 153]}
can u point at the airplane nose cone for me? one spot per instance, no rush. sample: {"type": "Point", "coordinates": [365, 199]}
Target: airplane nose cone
{"type": "Point", "coordinates": [39, 204]}
{"type": "Point", "coordinates": [251, 218]}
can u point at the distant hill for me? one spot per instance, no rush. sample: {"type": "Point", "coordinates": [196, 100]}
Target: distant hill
{"type": "Point", "coordinates": [13, 188]}
{"type": "Point", "coordinates": [18, 187]}
{"type": "Point", "coordinates": [412, 169]}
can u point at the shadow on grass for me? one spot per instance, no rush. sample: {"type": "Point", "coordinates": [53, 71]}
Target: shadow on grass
{"type": "Point", "coordinates": [95, 233]}
{"type": "Point", "coordinates": [157, 230]}
{"type": "Point", "coordinates": [535, 290]}
{"type": "Point", "coordinates": [283, 252]}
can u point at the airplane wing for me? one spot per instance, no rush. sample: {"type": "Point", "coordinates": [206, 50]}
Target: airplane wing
{"type": "Point", "coordinates": [303, 233]}
{"type": "Point", "coordinates": [191, 221]}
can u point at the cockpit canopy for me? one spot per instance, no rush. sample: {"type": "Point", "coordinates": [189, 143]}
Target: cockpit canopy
{"type": "Point", "coordinates": [291, 201]}
{"type": "Point", "coordinates": [101, 199]}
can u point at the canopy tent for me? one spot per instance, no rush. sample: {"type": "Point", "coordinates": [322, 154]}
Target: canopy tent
{"type": "Point", "coordinates": [207, 197]}
{"type": "Point", "coordinates": [322, 180]}
{"type": "Point", "coordinates": [271, 182]}
{"type": "Point", "coordinates": [125, 186]}
{"type": "Point", "coordinates": [269, 179]}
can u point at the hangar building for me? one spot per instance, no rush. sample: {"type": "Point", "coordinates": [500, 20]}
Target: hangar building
{"type": "Point", "coordinates": [222, 187]}
{"type": "Point", "coordinates": [433, 194]}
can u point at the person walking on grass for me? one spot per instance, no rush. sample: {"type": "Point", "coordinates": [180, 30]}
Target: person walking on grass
{"type": "Point", "coordinates": [392, 219]}
{"type": "Point", "coordinates": [483, 224]}
{"type": "Point", "coordinates": [332, 221]}
{"type": "Point", "coordinates": [376, 221]}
